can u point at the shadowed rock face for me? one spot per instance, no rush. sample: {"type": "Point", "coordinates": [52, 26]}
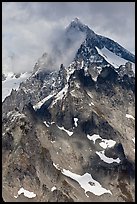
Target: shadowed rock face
{"type": "Point", "coordinates": [81, 128]}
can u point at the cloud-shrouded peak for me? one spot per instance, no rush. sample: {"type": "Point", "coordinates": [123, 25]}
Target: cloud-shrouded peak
{"type": "Point", "coordinates": [63, 48]}
{"type": "Point", "coordinates": [77, 25]}
{"type": "Point", "coordinates": [46, 62]}
{"type": "Point", "coordinates": [76, 21]}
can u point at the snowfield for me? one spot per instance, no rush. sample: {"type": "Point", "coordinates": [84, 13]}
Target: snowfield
{"type": "Point", "coordinates": [12, 83]}
{"type": "Point", "coordinates": [111, 58]}
{"type": "Point", "coordinates": [87, 183]}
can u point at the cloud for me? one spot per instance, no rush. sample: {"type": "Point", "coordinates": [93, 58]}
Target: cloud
{"type": "Point", "coordinates": [31, 28]}
{"type": "Point", "coordinates": [63, 46]}
{"type": "Point", "coordinates": [61, 49]}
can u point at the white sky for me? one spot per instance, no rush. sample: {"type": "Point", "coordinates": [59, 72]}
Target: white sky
{"type": "Point", "coordinates": [28, 27]}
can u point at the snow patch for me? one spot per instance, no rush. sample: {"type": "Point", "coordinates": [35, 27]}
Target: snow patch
{"type": "Point", "coordinates": [82, 64]}
{"type": "Point", "coordinates": [52, 141]}
{"type": "Point", "coordinates": [76, 122]}
{"type": "Point", "coordinates": [87, 183]}
{"type": "Point", "coordinates": [104, 142]}
{"type": "Point", "coordinates": [46, 124]}
{"type": "Point", "coordinates": [133, 140]}
{"type": "Point", "coordinates": [91, 104]}
{"type": "Point", "coordinates": [52, 123]}
{"type": "Point", "coordinates": [94, 137]}
{"type": "Point", "coordinates": [26, 193]}
{"type": "Point", "coordinates": [53, 188]}
{"type": "Point", "coordinates": [107, 143]}
{"type": "Point", "coordinates": [106, 159]}
{"type": "Point", "coordinates": [130, 116]}
{"type": "Point", "coordinates": [69, 72]}
{"type": "Point", "coordinates": [56, 166]}
{"type": "Point", "coordinates": [95, 78]}
{"type": "Point", "coordinates": [67, 131]}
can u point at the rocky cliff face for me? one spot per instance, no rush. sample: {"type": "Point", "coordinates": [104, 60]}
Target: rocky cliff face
{"type": "Point", "coordinates": [69, 135]}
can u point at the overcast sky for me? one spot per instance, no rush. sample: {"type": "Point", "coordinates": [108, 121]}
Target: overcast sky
{"type": "Point", "coordinates": [28, 27]}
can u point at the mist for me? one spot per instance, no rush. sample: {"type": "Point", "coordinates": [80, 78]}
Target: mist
{"type": "Point", "coordinates": [30, 29]}
{"type": "Point", "coordinates": [64, 47]}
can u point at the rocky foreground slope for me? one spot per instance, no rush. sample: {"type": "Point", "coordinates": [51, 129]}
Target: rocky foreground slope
{"type": "Point", "coordinates": [69, 135]}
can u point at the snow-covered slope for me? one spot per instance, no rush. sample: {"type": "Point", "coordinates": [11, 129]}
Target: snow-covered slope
{"type": "Point", "coordinates": [11, 82]}
{"type": "Point", "coordinates": [99, 49]}
{"type": "Point", "coordinates": [111, 58]}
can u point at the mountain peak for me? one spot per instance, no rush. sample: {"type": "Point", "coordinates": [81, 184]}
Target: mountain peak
{"type": "Point", "coordinates": [78, 25]}
{"type": "Point", "coordinates": [76, 20]}
{"type": "Point", "coordinates": [62, 128]}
